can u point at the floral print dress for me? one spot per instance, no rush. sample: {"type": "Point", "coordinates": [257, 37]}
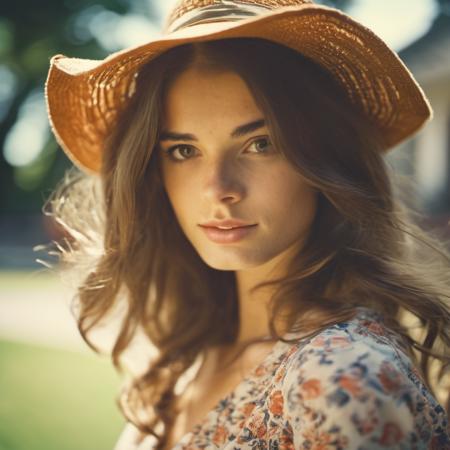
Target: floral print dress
{"type": "Point", "coordinates": [352, 387]}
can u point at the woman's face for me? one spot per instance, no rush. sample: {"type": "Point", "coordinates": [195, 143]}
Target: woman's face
{"type": "Point", "coordinates": [216, 174]}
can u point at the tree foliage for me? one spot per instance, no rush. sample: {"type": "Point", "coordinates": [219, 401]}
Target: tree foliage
{"type": "Point", "coordinates": [30, 33]}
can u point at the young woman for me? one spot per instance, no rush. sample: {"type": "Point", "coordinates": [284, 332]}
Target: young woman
{"type": "Point", "coordinates": [235, 199]}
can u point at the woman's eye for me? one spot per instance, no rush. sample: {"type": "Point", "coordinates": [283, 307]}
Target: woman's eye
{"type": "Point", "coordinates": [170, 151]}
{"type": "Point", "coordinates": [185, 155]}
{"type": "Point", "coordinates": [258, 141]}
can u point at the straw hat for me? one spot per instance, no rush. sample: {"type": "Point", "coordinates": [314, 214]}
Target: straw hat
{"type": "Point", "coordinates": [84, 97]}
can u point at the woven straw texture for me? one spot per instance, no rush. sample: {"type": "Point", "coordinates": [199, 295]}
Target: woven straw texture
{"type": "Point", "coordinates": [84, 97]}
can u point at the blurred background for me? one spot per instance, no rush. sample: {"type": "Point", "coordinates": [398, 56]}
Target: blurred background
{"type": "Point", "coordinates": [55, 394]}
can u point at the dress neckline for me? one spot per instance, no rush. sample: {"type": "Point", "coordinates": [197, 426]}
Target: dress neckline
{"type": "Point", "coordinates": [233, 393]}
{"type": "Point", "coordinates": [276, 352]}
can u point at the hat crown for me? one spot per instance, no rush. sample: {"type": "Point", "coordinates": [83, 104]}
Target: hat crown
{"type": "Point", "coordinates": [191, 12]}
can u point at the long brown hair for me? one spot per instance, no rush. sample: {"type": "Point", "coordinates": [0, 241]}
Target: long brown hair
{"type": "Point", "coordinates": [365, 248]}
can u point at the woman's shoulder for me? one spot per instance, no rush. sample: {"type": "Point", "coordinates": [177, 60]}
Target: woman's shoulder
{"type": "Point", "coordinates": [353, 384]}
{"type": "Point", "coordinates": [363, 339]}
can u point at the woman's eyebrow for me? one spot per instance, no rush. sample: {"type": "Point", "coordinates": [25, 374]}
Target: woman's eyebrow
{"type": "Point", "coordinates": [239, 131]}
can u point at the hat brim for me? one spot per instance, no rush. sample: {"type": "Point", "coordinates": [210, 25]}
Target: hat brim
{"type": "Point", "coordinates": [84, 97]}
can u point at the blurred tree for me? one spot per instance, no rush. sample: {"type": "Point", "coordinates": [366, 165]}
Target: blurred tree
{"type": "Point", "coordinates": [30, 33]}
{"type": "Point", "coordinates": [444, 6]}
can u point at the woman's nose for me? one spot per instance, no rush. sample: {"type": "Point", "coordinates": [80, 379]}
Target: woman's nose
{"type": "Point", "coordinates": [223, 182]}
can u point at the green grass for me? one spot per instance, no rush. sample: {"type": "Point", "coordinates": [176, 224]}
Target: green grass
{"type": "Point", "coordinates": [56, 400]}
{"type": "Point", "coordinates": [28, 280]}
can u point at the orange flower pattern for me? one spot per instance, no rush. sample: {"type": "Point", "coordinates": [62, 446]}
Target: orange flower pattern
{"type": "Point", "coordinates": [276, 403]}
{"type": "Point", "coordinates": [350, 387]}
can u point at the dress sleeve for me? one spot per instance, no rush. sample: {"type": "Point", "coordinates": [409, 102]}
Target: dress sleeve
{"type": "Point", "coordinates": [340, 394]}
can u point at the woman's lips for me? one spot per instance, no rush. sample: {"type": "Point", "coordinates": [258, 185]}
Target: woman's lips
{"type": "Point", "coordinates": [227, 236]}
